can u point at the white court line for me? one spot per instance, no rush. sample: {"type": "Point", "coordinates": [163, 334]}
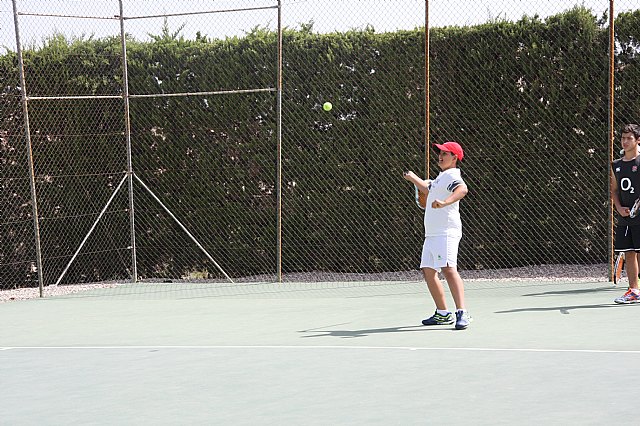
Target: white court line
{"type": "Point", "coordinates": [409, 348]}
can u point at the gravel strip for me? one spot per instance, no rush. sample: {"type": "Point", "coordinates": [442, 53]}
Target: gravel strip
{"type": "Point", "coordinates": [34, 293]}
{"type": "Point", "coordinates": [540, 274]}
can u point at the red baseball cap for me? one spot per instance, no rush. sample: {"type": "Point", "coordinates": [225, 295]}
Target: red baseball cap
{"type": "Point", "coordinates": [452, 147]}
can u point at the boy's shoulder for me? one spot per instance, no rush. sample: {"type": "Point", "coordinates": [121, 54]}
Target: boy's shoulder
{"type": "Point", "coordinates": [447, 177]}
{"type": "Point", "coordinates": [615, 165]}
{"type": "Point", "coordinates": [454, 174]}
{"type": "Point", "coordinates": [620, 161]}
{"type": "Point", "coordinates": [454, 171]}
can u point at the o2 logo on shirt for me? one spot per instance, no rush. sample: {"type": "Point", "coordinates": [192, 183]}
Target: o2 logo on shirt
{"type": "Point", "coordinates": [625, 185]}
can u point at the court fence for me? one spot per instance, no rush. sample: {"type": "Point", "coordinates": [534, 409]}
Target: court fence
{"type": "Point", "coordinates": [187, 140]}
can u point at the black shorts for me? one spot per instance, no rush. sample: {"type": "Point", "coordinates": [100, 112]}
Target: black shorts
{"type": "Point", "coordinates": [627, 238]}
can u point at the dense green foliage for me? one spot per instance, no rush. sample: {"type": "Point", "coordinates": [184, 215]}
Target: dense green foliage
{"type": "Point", "coordinates": [528, 101]}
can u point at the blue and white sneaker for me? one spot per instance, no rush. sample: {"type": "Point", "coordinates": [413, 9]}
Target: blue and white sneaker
{"type": "Point", "coordinates": [462, 320]}
{"type": "Point", "coordinates": [439, 319]}
{"type": "Point", "coordinates": [629, 297]}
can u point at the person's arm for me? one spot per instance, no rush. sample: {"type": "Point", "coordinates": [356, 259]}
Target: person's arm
{"type": "Point", "coordinates": [615, 196]}
{"type": "Point", "coordinates": [422, 184]}
{"type": "Point", "coordinates": [458, 194]}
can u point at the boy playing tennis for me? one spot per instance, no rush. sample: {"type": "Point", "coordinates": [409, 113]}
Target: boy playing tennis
{"type": "Point", "coordinates": [625, 190]}
{"type": "Point", "coordinates": [443, 231]}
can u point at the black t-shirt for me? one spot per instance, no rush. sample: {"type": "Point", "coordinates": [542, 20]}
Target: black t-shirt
{"type": "Point", "coordinates": [627, 175]}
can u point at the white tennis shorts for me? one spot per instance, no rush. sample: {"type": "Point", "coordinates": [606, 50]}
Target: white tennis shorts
{"type": "Point", "coordinates": [439, 251]}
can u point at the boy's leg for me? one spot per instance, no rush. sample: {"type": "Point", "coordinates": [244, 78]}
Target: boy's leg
{"type": "Point", "coordinates": [632, 295]}
{"type": "Point", "coordinates": [631, 263]}
{"type": "Point", "coordinates": [455, 285]}
{"type": "Point", "coordinates": [624, 242]}
{"type": "Point", "coordinates": [435, 287]}
{"type": "Point", "coordinates": [457, 291]}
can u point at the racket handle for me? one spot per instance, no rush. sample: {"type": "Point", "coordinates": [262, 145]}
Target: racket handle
{"type": "Point", "coordinates": [634, 209]}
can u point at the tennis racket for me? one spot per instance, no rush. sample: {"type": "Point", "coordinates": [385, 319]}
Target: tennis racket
{"type": "Point", "coordinates": [421, 199]}
{"type": "Point", "coordinates": [635, 209]}
{"type": "Point", "coordinates": [618, 266]}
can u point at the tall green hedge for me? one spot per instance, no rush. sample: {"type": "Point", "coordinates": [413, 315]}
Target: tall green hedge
{"type": "Point", "coordinates": [527, 99]}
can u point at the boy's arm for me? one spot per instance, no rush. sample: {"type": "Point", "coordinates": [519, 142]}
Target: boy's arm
{"type": "Point", "coordinates": [422, 184]}
{"type": "Point", "coordinates": [615, 196]}
{"type": "Point", "coordinates": [457, 195]}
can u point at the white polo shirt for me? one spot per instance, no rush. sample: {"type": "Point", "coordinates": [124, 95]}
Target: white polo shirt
{"type": "Point", "coordinates": [445, 220]}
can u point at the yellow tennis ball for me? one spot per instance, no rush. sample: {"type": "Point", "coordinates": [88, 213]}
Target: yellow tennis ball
{"type": "Point", "coordinates": [327, 106]}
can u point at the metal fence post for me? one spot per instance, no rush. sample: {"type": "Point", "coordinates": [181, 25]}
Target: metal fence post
{"type": "Point", "coordinates": [32, 179]}
{"type": "Point", "coordinates": [279, 145]}
{"type": "Point", "coordinates": [127, 123]}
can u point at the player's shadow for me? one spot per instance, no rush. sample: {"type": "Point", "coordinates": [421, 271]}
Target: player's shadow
{"type": "Point", "coordinates": [562, 309]}
{"type": "Point", "coordinates": [346, 334]}
{"type": "Point", "coordinates": [573, 292]}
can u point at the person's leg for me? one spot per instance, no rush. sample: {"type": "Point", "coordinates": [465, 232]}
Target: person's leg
{"type": "Point", "coordinates": [455, 285]}
{"type": "Point", "coordinates": [431, 255]}
{"type": "Point", "coordinates": [457, 291]}
{"type": "Point", "coordinates": [631, 263]}
{"type": "Point", "coordinates": [624, 242]}
{"type": "Point", "coordinates": [435, 288]}
{"type": "Point", "coordinates": [450, 272]}
{"type": "Point", "coordinates": [450, 269]}
{"type": "Point", "coordinates": [632, 295]}
{"type": "Point", "coordinates": [442, 316]}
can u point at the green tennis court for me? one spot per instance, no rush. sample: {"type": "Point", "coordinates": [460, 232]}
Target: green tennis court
{"type": "Point", "coordinates": [311, 353]}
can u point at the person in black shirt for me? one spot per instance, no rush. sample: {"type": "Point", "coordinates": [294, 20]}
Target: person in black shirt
{"type": "Point", "coordinates": [625, 190]}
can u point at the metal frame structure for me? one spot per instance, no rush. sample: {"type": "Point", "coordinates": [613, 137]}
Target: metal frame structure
{"type": "Point", "coordinates": [130, 175]}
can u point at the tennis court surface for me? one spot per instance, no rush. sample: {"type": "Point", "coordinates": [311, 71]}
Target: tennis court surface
{"type": "Point", "coordinates": [320, 353]}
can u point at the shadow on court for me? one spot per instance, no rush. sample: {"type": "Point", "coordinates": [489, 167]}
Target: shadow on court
{"type": "Point", "coordinates": [573, 292]}
{"type": "Point", "coordinates": [368, 332]}
{"type": "Point", "coordinates": [562, 309]}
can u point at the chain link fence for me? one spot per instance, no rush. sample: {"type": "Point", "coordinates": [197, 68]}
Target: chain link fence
{"type": "Point", "coordinates": [189, 161]}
